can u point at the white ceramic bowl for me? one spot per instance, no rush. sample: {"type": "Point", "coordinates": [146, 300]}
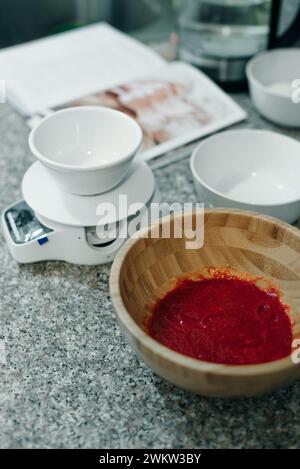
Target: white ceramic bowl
{"type": "Point", "coordinates": [249, 169]}
{"type": "Point", "coordinates": [87, 150]}
{"type": "Point", "coordinates": [274, 85]}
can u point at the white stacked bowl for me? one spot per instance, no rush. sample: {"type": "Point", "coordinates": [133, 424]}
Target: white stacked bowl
{"type": "Point", "coordinates": [87, 150]}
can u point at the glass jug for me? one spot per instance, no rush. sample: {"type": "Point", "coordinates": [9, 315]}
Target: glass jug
{"type": "Point", "coordinates": [221, 35]}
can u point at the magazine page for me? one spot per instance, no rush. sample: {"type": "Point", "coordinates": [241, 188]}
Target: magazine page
{"type": "Point", "coordinates": [174, 105]}
{"type": "Point", "coordinates": [45, 73]}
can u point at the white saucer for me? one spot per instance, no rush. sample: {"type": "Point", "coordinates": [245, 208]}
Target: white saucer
{"type": "Point", "coordinates": [48, 200]}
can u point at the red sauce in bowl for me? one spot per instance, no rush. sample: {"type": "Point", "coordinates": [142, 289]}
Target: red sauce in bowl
{"type": "Point", "coordinates": [223, 319]}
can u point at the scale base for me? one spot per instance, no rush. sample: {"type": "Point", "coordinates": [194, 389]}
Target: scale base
{"type": "Point", "coordinates": [50, 224]}
{"type": "Point", "coordinates": [32, 238]}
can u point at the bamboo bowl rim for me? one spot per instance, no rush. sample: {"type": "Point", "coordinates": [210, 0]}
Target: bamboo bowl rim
{"type": "Point", "coordinates": [156, 347]}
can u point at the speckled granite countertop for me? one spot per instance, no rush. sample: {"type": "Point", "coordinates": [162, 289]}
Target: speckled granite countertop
{"type": "Point", "coordinates": [68, 377]}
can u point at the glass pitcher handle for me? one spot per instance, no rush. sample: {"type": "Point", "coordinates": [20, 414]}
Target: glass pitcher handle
{"type": "Point", "coordinates": [290, 35]}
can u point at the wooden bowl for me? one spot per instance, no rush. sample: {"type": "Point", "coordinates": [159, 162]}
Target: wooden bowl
{"type": "Point", "coordinates": [146, 268]}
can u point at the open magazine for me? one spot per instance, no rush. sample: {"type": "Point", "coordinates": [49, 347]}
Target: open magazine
{"type": "Point", "coordinates": [97, 65]}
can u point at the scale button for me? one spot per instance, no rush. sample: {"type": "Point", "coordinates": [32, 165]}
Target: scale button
{"type": "Point", "coordinates": [43, 240]}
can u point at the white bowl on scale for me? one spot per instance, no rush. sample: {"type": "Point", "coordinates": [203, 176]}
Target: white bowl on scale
{"type": "Point", "coordinates": [249, 169]}
{"type": "Point", "coordinates": [87, 150]}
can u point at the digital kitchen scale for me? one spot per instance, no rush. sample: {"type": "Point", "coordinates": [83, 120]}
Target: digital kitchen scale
{"type": "Point", "coordinates": [51, 224]}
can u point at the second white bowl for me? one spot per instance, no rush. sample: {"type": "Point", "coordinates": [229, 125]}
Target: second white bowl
{"type": "Point", "coordinates": [87, 150]}
{"type": "Point", "coordinates": [273, 79]}
{"type": "Point", "coordinates": [249, 169]}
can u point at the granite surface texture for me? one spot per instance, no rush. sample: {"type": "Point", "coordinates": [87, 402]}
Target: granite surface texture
{"type": "Point", "coordinates": [68, 377]}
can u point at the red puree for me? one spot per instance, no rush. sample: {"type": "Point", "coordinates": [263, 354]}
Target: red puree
{"type": "Point", "coordinates": [223, 320]}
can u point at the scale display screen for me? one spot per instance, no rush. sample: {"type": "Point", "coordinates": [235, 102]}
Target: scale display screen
{"type": "Point", "coordinates": [23, 225]}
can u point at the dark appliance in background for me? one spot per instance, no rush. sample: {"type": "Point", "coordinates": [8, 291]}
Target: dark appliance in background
{"type": "Point", "coordinates": [220, 36]}
{"type": "Point", "coordinates": [22, 21]}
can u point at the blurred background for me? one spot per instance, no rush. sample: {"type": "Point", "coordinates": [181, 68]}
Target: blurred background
{"type": "Point", "coordinates": [148, 20]}
{"type": "Point", "coordinates": [219, 36]}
